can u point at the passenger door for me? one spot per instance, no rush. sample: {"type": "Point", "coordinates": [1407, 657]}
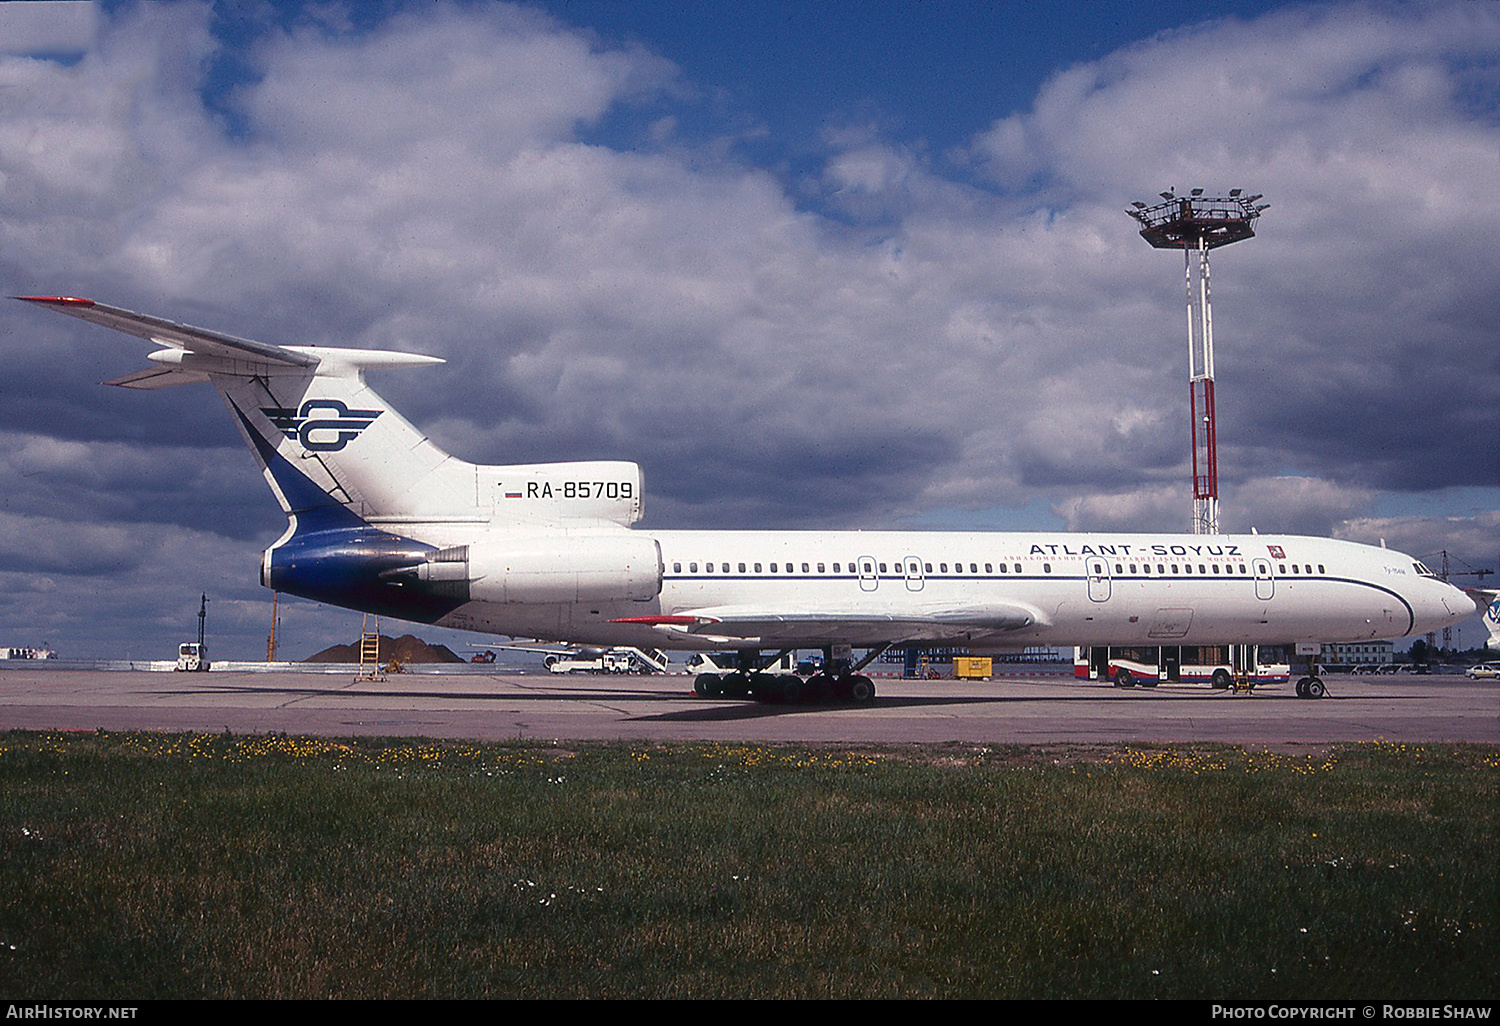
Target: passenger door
{"type": "Point", "coordinates": [1265, 584]}
{"type": "Point", "coordinates": [1099, 580]}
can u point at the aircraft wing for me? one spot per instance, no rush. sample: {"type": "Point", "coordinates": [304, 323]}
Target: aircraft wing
{"type": "Point", "coordinates": [169, 333]}
{"type": "Point", "coordinates": [854, 627]}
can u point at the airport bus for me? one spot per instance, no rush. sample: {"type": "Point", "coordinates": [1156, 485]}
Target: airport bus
{"type": "Point", "coordinates": [1149, 665]}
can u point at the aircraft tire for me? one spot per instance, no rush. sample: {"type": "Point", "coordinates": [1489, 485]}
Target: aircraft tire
{"type": "Point", "coordinates": [792, 689]}
{"type": "Point", "coordinates": [861, 689]}
{"type": "Point", "coordinates": [1315, 688]}
{"type": "Point", "coordinates": [831, 687]}
{"type": "Point", "coordinates": [708, 685]}
{"type": "Point", "coordinates": [820, 687]}
{"type": "Point", "coordinates": [738, 683]}
{"type": "Point", "coordinates": [756, 683]}
{"type": "Point", "coordinates": [1302, 687]}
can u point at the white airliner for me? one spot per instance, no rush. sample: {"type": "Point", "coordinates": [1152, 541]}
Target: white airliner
{"type": "Point", "coordinates": [382, 520]}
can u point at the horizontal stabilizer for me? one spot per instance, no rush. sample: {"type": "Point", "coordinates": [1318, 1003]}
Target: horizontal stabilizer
{"type": "Point", "coordinates": [170, 333]}
{"type": "Point", "coordinates": [158, 377]}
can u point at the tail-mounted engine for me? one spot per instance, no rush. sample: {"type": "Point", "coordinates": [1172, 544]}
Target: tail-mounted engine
{"type": "Point", "coordinates": [578, 567]}
{"type": "Point", "coordinates": [366, 568]}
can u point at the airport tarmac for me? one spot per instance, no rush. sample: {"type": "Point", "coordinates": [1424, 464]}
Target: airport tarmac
{"type": "Point", "coordinates": [663, 708]}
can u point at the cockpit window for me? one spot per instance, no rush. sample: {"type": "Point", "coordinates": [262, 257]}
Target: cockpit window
{"type": "Point", "coordinates": [1422, 570]}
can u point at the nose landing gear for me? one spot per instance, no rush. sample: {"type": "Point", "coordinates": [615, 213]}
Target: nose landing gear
{"type": "Point", "coordinates": [1311, 687]}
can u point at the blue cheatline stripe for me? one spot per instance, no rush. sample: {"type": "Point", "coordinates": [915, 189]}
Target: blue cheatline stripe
{"type": "Point", "coordinates": [314, 508]}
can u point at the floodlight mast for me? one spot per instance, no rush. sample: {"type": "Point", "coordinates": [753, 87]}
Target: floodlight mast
{"type": "Point", "coordinates": [1196, 224]}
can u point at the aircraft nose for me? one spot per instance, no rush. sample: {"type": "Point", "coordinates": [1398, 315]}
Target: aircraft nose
{"type": "Point", "coordinates": [1438, 605]}
{"type": "Point", "coordinates": [1466, 605]}
{"type": "Point", "coordinates": [1456, 605]}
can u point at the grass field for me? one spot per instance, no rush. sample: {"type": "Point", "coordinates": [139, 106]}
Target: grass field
{"type": "Point", "coordinates": [161, 866]}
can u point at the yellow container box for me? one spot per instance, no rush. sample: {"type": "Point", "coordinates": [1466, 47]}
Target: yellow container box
{"type": "Point", "coordinates": [972, 667]}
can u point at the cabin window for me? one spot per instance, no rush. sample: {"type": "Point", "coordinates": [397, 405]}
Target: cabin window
{"type": "Point", "coordinates": [1174, 568]}
{"type": "Point", "coordinates": [1216, 568]}
{"type": "Point", "coordinates": [927, 568]}
{"type": "Point", "coordinates": [708, 568]}
{"type": "Point", "coordinates": [742, 568]}
{"type": "Point", "coordinates": [973, 568]}
{"type": "Point", "coordinates": [943, 567]}
{"type": "Point", "coordinates": [882, 568]}
{"type": "Point", "coordinates": [1202, 569]}
{"type": "Point", "coordinates": [1242, 569]}
{"type": "Point", "coordinates": [1294, 568]}
{"type": "Point", "coordinates": [692, 568]}
{"type": "Point", "coordinates": [820, 568]}
{"type": "Point", "coordinates": [988, 568]}
{"type": "Point", "coordinates": [1309, 568]}
{"type": "Point", "coordinates": [677, 568]}
{"type": "Point", "coordinates": [773, 568]}
{"type": "Point", "coordinates": [836, 567]}
{"type": "Point", "coordinates": [1046, 568]}
{"type": "Point", "coordinates": [868, 568]}
{"type": "Point", "coordinates": [1320, 569]}
{"type": "Point", "coordinates": [1119, 568]}
{"type": "Point", "coordinates": [726, 567]}
{"type": "Point", "coordinates": [757, 568]}
{"type": "Point", "coordinates": [804, 568]}
{"type": "Point", "coordinates": [1004, 569]}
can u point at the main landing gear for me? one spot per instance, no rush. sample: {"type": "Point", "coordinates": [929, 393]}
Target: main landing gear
{"type": "Point", "coordinates": [841, 683]}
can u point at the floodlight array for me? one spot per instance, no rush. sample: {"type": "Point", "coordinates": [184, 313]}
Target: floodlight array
{"type": "Point", "coordinates": [1197, 221]}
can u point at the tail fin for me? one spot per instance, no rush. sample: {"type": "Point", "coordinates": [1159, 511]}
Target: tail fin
{"type": "Point", "coordinates": [336, 454]}
{"type": "Point", "coordinates": [326, 438]}
{"type": "Point", "coordinates": [327, 443]}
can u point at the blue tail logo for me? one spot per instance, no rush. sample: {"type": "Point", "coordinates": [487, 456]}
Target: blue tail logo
{"type": "Point", "coordinates": [333, 432]}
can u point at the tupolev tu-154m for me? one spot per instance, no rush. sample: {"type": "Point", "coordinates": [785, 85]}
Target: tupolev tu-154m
{"type": "Point", "coordinates": [383, 521]}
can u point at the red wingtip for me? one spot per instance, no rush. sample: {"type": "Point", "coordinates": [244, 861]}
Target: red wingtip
{"type": "Point", "coordinates": [57, 300]}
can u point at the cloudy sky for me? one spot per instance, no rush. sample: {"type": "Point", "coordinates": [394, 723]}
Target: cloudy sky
{"type": "Point", "coordinates": [812, 265]}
